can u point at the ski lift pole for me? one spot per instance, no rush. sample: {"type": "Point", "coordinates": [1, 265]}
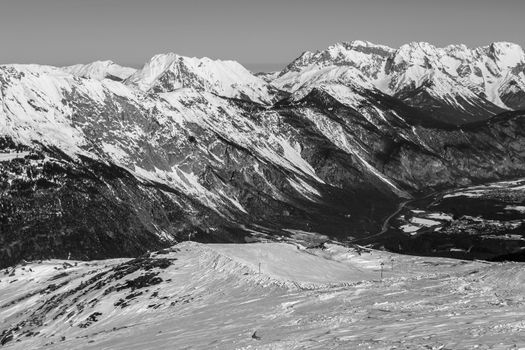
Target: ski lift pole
{"type": "Point", "coordinates": [382, 264]}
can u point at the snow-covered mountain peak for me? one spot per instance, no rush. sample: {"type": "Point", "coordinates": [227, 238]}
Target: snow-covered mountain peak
{"type": "Point", "coordinates": [366, 43]}
{"type": "Point", "coordinates": [100, 70]}
{"type": "Point", "coordinates": [159, 64]}
{"type": "Point", "coordinates": [370, 48]}
{"type": "Point", "coordinates": [331, 79]}
{"type": "Point", "coordinates": [169, 72]}
{"type": "Point", "coordinates": [459, 52]}
{"type": "Point", "coordinates": [363, 60]}
{"type": "Point", "coordinates": [456, 48]}
{"type": "Point", "coordinates": [488, 74]}
{"type": "Point", "coordinates": [145, 77]}
{"type": "Point", "coordinates": [416, 53]}
{"type": "Point", "coordinates": [416, 46]}
{"type": "Point", "coordinates": [362, 54]}
{"type": "Point", "coordinates": [355, 52]}
{"type": "Point", "coordinates": [506, 55]}
{"type": "Point", "coordinates": [34, 69]}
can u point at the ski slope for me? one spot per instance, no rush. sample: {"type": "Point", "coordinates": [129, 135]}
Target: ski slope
{"type": "Point", "coordinates": [213, 297]}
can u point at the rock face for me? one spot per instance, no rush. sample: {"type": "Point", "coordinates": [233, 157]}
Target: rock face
{"type": "Point", "coordinates": [193, 148]}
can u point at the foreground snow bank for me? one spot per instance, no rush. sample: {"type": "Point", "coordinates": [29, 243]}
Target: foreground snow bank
{"type": "Point", "coordinates": [294, 263]}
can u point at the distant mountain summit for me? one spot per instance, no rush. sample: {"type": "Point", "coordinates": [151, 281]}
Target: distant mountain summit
{"type": "Point", "coordinates": [100, 70]}
{"type": "Point", "coordinates": [455, 83]}
{"type": "Point", "coordinates": [169, 72]}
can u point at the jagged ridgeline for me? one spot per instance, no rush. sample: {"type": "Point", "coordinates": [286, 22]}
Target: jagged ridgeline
{"type": "Point", "coordinates": [104, 161]}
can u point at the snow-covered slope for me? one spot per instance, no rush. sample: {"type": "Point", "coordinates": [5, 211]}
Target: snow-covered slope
{"type": "Point", "coordinates": [169, 72]}
{"type": "Point", "coordinates": [302, 84]}
{"type": "Point", "coordinates": [34, 106]}
{"type": "Point", "coordinates": [213, 296]}
{"type": "Point", "coordinates": [100, 70]}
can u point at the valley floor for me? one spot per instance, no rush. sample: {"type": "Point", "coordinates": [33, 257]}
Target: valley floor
{"type": "Point", "coordinates": [213, 296]}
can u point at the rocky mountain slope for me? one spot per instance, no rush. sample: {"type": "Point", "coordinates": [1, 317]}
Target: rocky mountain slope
{"type": "Point", "coordinates": [98, 161]}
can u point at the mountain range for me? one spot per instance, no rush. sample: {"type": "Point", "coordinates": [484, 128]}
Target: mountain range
{"type": "Point", "coordinates": [100, 160]}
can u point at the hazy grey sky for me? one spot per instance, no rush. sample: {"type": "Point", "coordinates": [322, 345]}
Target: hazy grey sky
{"type": "Point", "coordinates": [129, 32]}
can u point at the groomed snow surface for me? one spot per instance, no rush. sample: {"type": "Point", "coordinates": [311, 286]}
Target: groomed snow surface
{"type": "Point", "coordinates": [196, 296]}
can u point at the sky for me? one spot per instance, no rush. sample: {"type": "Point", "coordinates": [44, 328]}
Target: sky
{"type": "Point", "coordinates": [263, 34]}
